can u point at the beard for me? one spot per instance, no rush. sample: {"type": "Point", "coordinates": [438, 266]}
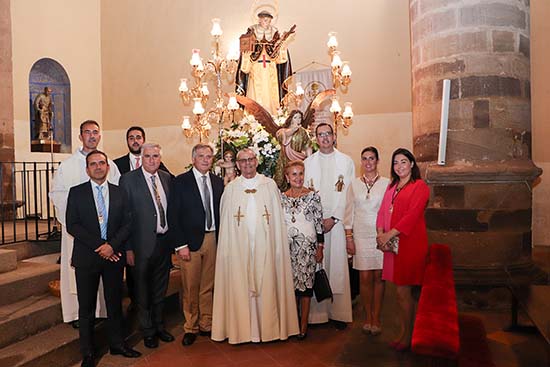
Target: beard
{"type": "Point", "coordinates": [134, 150]}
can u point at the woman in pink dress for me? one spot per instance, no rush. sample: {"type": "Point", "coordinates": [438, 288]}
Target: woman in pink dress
{"type": "Point", "coordinates": [402, 214]}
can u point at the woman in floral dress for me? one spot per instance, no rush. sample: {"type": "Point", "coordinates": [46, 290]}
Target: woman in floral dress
{"type": "Point", "coordinates": [303, 217]}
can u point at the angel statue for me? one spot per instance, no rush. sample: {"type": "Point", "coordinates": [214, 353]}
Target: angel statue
{"type": "Point", "coordinates": [293, 135]}
{"type": "Point", "coordinates": [227, 164]}
{"type": "Point", "coordinates": [264, 63]}
{"type": "Point", "coordinates": [295, 144]}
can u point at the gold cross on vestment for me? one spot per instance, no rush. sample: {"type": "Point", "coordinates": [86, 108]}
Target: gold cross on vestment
{"type": "Point", "coordinates": [266, 214]}
{"type": "Point", "coordinates": [239, 216]}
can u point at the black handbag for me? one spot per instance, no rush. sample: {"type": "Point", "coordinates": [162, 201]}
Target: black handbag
{"type": "Point", "coordinates": [321, 286]}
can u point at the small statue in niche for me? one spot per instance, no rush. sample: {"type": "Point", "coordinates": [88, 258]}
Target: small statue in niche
{"type": "Point", "coordinates": [43, 112]}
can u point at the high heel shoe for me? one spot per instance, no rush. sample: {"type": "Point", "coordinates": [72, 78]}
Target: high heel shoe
{"type": "Point", "coordinates": [375, 330]}
{"type": "Point", "coordinates": [301, 336]}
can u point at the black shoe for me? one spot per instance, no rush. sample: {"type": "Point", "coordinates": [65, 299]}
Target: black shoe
{"type": "Point", "coordinates": [301, 336]}
{"type": "Point", "coordinates": [339, 325]}
{"type": "Point", "coordinates": [165, 336]}
{"type": "Point", "coordinates": [151, 342]}
{"type": "Point", "coordinates": [205, 333]}
{"type": "Point", "coordinates": [75, 324]}
{"type": "Point", "coordinates": [88, 361]}
{"type": "Point", "coordinates": [126, 352]}
{"type": "Point", "coordinates": [188, 339]}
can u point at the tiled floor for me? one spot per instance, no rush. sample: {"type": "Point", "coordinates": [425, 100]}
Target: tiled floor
{"type": "Point", "coordinates": [325, 346]}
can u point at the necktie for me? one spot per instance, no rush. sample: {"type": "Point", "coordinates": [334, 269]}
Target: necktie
{"type": "Point", "coordinates": [159, 203]}
{"type": "Point", "coordinates": [137, 162]}
{"type": "Point", "coordinates": [207, 209]}
{"type": "Point", "coordinates": [102, 213]}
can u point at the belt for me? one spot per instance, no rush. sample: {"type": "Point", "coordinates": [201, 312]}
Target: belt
{"type": "Point", "coordinates": [262, 61]}
{"type": "Point", "coordinates": [161, 235]}
{"type": "Point", "coordinates": [209, 231]}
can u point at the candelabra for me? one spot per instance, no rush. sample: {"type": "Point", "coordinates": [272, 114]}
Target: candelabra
{"type": "Point", "coordinates": [341, 72]}
{"type": "Point", "coordinates": [341, 118]}
{"type": "Point", "coordinates": [215, 67]}
{"type": "Point", "coordinates": [341, 78]}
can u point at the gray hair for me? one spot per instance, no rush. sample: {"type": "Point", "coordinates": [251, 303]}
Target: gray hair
{"type": "Point", "coordinates": [151, 146]}
{"type": "Point", "coordinates": [242, 151]}
{"type": "Point", "coordinates": [200, 146]}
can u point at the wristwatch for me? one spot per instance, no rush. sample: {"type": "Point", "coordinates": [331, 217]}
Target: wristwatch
{"type": "Point", "coordinates": [336, 220]}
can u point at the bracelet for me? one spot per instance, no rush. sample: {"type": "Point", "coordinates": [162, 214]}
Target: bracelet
{"type": "Point", "coordinates": [349, 235]}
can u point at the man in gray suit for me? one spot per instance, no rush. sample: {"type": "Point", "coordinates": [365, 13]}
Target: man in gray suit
{"type": "Point", "coordinates": [148, 248]}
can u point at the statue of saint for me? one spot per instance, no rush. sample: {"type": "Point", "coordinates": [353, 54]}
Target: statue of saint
{"type": "Point", "coordinates": [43, 113]}
{"type": "Point", "coordinates": [295, 145]}
{"type": "Point", "coordinates": [264, 63]}
{"type": "Point", "coordinates": [227, 164]}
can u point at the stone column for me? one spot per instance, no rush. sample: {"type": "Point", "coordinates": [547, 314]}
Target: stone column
{"type": "Point", "coordinates": [481, 199]}
{"type": "Point", "coordinates": [7, 147]}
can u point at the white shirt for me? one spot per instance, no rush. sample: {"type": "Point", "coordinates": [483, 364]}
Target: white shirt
{"type": "Point", "coordinates": [133, 161]}
{"type": "Point", "coordinates": [162, 195]}
{"type": "Point", "coordinates": [198, 178]}
{"type": "Point", "coordinates": [105, 192]}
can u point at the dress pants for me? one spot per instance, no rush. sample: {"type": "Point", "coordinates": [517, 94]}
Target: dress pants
{"type": "Point", "coordinates": [151, 277]}
{"type": "Point", "coordinates": [87, 282]}
{"type": "Point", "coordinates": [197, 276]}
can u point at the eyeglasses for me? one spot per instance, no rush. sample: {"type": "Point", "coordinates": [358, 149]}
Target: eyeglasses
{"type": "Point", "coordinates": [325, 134]}
{"type": "Point", "coordinates": [247, 160]}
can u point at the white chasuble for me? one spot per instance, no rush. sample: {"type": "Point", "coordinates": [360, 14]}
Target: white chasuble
{"type": "Point", "coordinates": [253, 288]}
{"type": "Point", "coordinates": [72, 172]}
{"type": "Point", "coordinates": [331, 175]}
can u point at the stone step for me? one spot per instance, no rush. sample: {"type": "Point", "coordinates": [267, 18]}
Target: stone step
{"type": "Point", "coordinates": [57, 346]}
{"type": "Point", "coordinates": [28, 317]}
{"type": "Point", "coordinates": [28, 249]}
{"type": "Point", "coordinates": [29, 279]}
{"type": "Point", "coordinates": [8, 260]}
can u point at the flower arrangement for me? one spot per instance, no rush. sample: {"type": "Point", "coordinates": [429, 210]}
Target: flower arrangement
{"type": "Point", "coordinates": [249, 133]}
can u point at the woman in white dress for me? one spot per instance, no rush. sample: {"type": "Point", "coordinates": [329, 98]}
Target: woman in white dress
{"type": "Point", "coordinates": [364, 197]}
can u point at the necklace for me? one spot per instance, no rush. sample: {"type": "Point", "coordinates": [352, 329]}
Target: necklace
{"type": "Point", "coordinates": [396, 193]}
{"type": "Point", "coordinates": [294, 207]}
{"type": "Point", "coordinates": [370, 183]}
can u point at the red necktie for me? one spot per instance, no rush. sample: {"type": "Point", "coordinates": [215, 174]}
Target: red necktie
{"type": "Point", "coordinates": [137, 162]}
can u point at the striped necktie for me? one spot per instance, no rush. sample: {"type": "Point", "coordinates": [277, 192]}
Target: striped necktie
{"type": "Point", "coordinates": [159, 203]}
{"type": "Point", "coordinates": [207, 209]}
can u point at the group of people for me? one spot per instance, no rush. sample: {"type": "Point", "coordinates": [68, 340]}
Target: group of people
{"type": "Point", "coordinates": [248, 252]}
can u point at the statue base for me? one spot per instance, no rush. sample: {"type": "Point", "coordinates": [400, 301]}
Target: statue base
{"type": "Point", "coordinates": [45, 146]}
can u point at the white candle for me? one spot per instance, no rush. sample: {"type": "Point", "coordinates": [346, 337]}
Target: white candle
{"type": "Point", "coordinates": [444, 123]}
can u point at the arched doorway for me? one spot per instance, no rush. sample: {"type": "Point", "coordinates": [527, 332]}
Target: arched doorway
{"type": "Point", "coordinates": [49, 73]}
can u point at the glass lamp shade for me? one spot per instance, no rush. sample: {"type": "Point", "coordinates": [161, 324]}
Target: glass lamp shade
{"type": "Point", "coordinates": [216, 28]}
{"type": "Point", "coordinates": [346, 70]}
{"type": "Point", "coordinates": [198, 109]}
{"type": "Point", "coordinates": [348, 112]}
{"type": "Point", "coordinates": [232, 105]}
{"type": "Point", "coordinates": [195, 58]}
{"type": "Point", "coordinates": [332, 41]}
{"type": "Point", "coordinates": [335, 106]}
{"type": "Point", "coordinates": [299, 90]}
{"type": "Point", "coordinates": [185, 124]}
{"type": "Point", "coordinates": [336, 60]}
{"type": "Point", "coordinates": [183, 86]}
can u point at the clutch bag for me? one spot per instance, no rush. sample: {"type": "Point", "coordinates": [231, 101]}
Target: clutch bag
{"type": "Point", "coordinates": [391, 246]}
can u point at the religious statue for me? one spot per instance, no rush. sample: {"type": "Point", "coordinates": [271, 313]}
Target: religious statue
{"type": "Point", "coordinates": [295, 145]}
{"type": "Point", "coordinates": [264, 63]}
{"type": "Point", "coordinates": [227, 164]}
{"type": "Point", "coordinates": [43, 112]}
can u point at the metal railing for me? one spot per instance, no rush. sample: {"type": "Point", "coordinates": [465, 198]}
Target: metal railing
{"type": "Point", "coordinates": [27, 213]}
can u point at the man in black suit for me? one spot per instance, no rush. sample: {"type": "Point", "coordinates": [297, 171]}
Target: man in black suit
{"type": "Point", "coordinates": [148, 248]}
{"type": "Point", "coordinates": [194, 215]}
{"type": "Point", "coordinates": [97, 217]}
{"type": "Point", "coordinates": [135, 138]}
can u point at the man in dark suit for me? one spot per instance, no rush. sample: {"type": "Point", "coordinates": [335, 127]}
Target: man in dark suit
{"type": "Point", "coordinates": [135, 138]}
{"type": "Point", "coordinates": [194, 215]}
{"type": "Point", "coordinates": [148, 248]}
{"type": "Point", "coordinates": [97, 217]}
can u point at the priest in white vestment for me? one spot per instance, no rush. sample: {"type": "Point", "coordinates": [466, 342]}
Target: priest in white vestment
{"type": "Point", "coordinates": [253, 288]}
{"type": "Point", "coordinates": [330, 172]}
{"type": "Point", "coordinates": [72, 172]}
